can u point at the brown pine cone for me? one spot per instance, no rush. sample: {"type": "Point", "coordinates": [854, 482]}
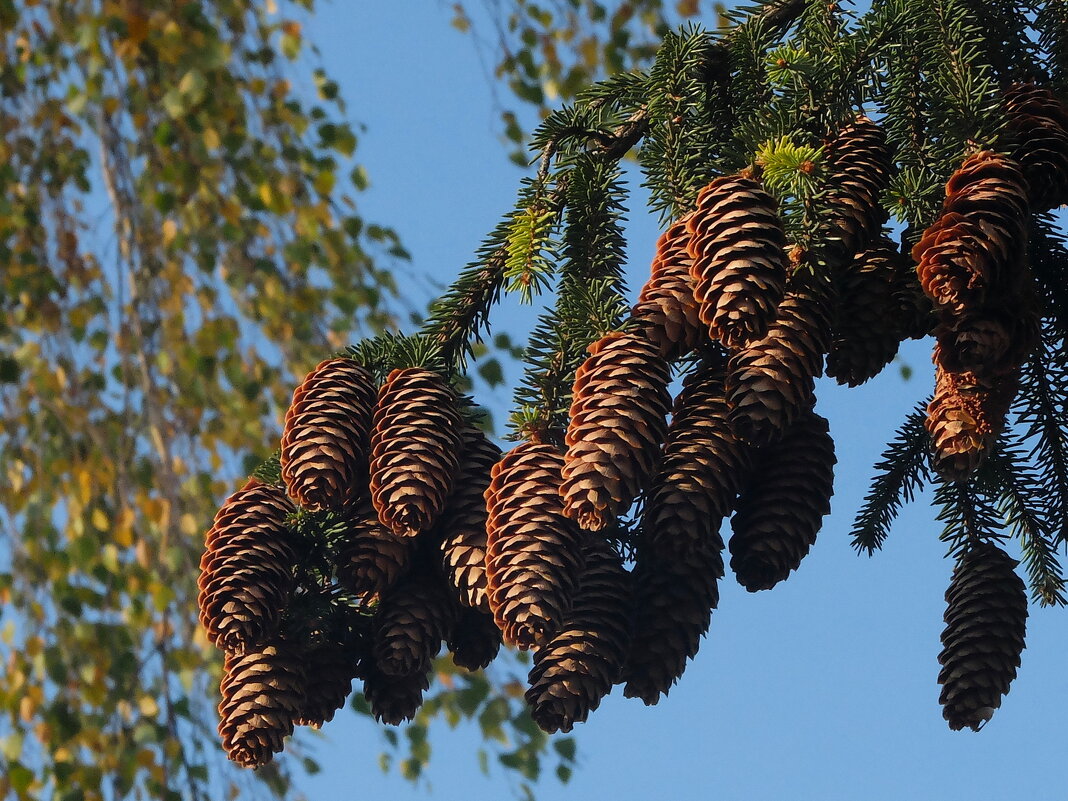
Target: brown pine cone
{"type": "Point", "coordinates": [370, 557]}
{"type": "Point", "coordinates": [415, 446]}
{"type": "Point", "coordinates": [394, 699]}
{"type": "Point", "coordinates": [780, 512]}
{"type": "Point", "coordinates": [534, 552]}
{"type": "Point", "coordinates": [474, 640]}
{"type": "Point", "coordinates": [579, 665]}
{"type": "Point", "coordinates": [246, 568]}
{"type": "Point", "coordinates": [992, 341]}
{"type": "Point", "coordinates": [770, 383]}
{"type": "Point", "coordinates": [667, 313]}
{"type": "Point", "coordinates": [858, 165]}
{"type": "Point", "coordinates": [618, 412]}
{"type": "Point", "coordinates": [701, 471]}
{"type": "Point", "coordinates": [986, 621]}
{"type": "Point", "coordinates": [329, 668]}
{"type": "Point", "coordinates": [412, 620]}
{"type": "Point", "coordinates": [463, 523]}
{"type": "Point", "coordinates": [673, 602]}
{"type": "Point", "coordinates": [912, 308]}
{"type": "Point", "coordinates": [964, 419]}
{"type": "Point", "coordinates": [1038, 139]}
{"type": "Point", "coordinates": [324, 441]}
{"type": "Point", "coordinates": [262, 693]}
{"type": "Point", "coordinates": [866, 333]}
{"type": "Point", "coordinates": [739, 264]}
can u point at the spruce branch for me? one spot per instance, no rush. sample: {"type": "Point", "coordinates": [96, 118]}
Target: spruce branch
{"type": "Point", "coordinates": [968, 515]}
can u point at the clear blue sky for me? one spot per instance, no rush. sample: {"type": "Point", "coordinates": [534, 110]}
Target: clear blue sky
{"type": "Point", "coordinates": [824, 688]}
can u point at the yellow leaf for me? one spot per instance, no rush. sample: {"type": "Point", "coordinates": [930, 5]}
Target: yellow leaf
{"type": "Point", "coordinates": [170, 231]}
{"type": "Point", "coordinates": [148, 706]}
{"type": "Point", "coordinates": [189, 525]}
{"type": "Point", "coordinates": [211, 139]}
{"type": "Point", "coordinates": [122, 529]}
{"type": "Point", "coordinates": [100, 520]}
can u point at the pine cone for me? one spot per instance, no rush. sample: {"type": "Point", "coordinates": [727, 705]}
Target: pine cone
{"type": "Point", "coordinates": [324, 441]}
{"type": "Point", "coordinates": [619, 404]}
{"type": "Point", "coordinates": [667, 313]}
{"type": "Point", "coordinates": [246, 568]}
{"type": "Point", "coordinates": [475, 639]}
{"type": "Point", "coordinates": [866, 332]}
{"type": "Point", "coordinates": [330, 668]}
{"type": "Point", "coordinates": [986, 621]}
{"type": "Point", "coordinates": [393, 699]}
{"type": "Point", "coordinates": [412, 620]}
{"type": "Point", "coordinates": [912, 308]}
{"type": "Point", "coordinates": [262, 692]}
{"type": "Point", "coordinates": [859, 165]}
{"type": "Point", "coordinates": [992, 341]}
{"type": "Point", "coordinates": [780, 512]}
{"type": "Point", "coordinates": [673, 603]}
{"type": "Point", "coordinates": [770, 383]}
{"type": "Point", "coordinates": [702, 469]}
{"type": "Point", "coordinates": [964, 419]}
{"type": "Point", "coordinates": [534, 552]}
{"type": "Point", "coordinates": [1038, 134]}
{"type": "Point", "coordinates": [463, 524]}
{"type": "Point", "coordinates": [370, 557]}
{"type": "Point", "coordinates": [579, 665]}
{"type": "Point", "coordinates": [739, 265]}
{"type": "Point", "coordinates": [415, 449]}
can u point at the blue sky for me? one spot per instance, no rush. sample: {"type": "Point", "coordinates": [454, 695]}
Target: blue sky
{"type": "Point", "coordinates": [824, 688]}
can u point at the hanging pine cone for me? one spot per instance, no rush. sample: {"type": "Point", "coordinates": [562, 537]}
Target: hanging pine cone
{"type": "Point", "coordinates": [964, 419]}
{"type": "Point", "coordinates": [739, 265]}
{"type": "Point", "coordinates": [770, 383]}
{"type": "Point", "coordinates": [329, 668]}
{"type": "Point", "coordinates": [370, 557]}
{"type": "Point", "coordinates": [393, 699]}
{"type": "Point", "coordinates": [993, 341]}
{"type": "Point", "coordinates": [534, 552]}
{"type": "Point", "coordinates": [912, 308]}
{"type": "Point", "coordinates": [780, 512]}
{"type": "Point", "coordinates": [1038, 136]}
{"type": "Point", "coordinates": [474, 640]}
{"type": "Point", "coordinates": [866, 332]}
{"type": "Point", "coordinates": [618, 412]}
{"type": "Point", "coordinates": [673, 603]}
{"type": "Point", "coordinates": [579, 665]}
{"type": "Point", "coordinates": [986, 620]}
{"type": "Point", "coordinates": [463, 523]}
{"type": "Point", "coordinates": [246, 568]}
{"type": "Point", "coordinates": [412, 620]}
{"type": "Point", "coordinates": [415, 449]}
{"type": "Point", "coordinates": [667, 313]}
{"type": "Point", "coordinates": [702, 468]}
{"type": "Point", "coordinates": [262, 693]}
{"type": "Point", "coordinates": [324, 441]}
{"type": "Point", "coordinates": [859, 165]}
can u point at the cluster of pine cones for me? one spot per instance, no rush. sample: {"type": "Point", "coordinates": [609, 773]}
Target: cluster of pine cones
{"type": "Point", "coordinates": [435, 536]}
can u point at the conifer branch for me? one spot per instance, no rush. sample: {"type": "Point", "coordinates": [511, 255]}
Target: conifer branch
{"type": "Point", "coordinates": [968, 515]}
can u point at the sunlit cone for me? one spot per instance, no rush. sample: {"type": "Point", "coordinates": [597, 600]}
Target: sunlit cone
{"type": "Point", "coordinates": [701, 471]}
{"type": "Point", "coordinates": [1038, 126]}
{"type": "Point", "coordinates": [415, 445]}
{"type": "Point", "coordinates": [534, 552]}
{"type": "Point", "coordinates": [329, 668]}
{"type": "Point", "coordinates": [618, 412]}
{"type": "Point", "coordinates": [672, 607]}
{"type": "Point", "coordinates": [866, 332]}
{"type": "Point", "coordinates": [325, 439]}
{"type": "Point", "coordinates": [370, 557]}
{"type": "Point", "coordinates": [858, 167]}
{"type": "Point", "coordinates": [262, 693]}
{"type": "Point", "coordinates": [986, 621]}
{"type": "Point", "coordinates": [412, 620]}
{"type": "Point", "coordinates": [770, 382]}
{"type": "Point", "coordinates": [474, 640]}
{"type": "Point", "coordinates": [667, 313]}
{"type": "Point", "coordinates": [964, 419]}
{"type": "Point", "coordinates": [579, 665]}
{"type": "Point", "coordinates": [246, 568]}
{"type": "Point", "coordinates": [463, 523]}
{"type": "Point", "coordinates": [393, 699]}
{"type": "Point", "coordinates": [781, 510]}
{"type": "Point", "coordinates": [739, 265]}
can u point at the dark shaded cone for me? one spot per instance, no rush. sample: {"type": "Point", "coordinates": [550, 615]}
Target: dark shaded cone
{"type": "Point", "coordinates": [988, 343]}
{"type": "Point", "coordinates": [330, 668]}
{"type": "Point", "coordinates": [412, 620]}
{"type": "Point", "coordinates": [912, 308]}
{"type": "Point", "coordinates": [415, 446]}
{"type": "Point", "coordinates": [667, 313]}
{"type": "Point", "coordinates": [534, 552]}
{"type": "Point", "coordinates": [246, 568]}
{"type": "Point", "coordinates": [1038, 139]}
{"type": "Point", "coordinates": [780, 512]}
{"type": "Point", "coordinates": [964, 419]}
{"type": "Point", "coordinates": [325, 438]}
{"type": "Point", "coordinates": [739, 264]}
{"type": "Point", "coordinates": [701, 471]}
{"type": "Point", "coordinates": [370, 557]}
{"type": "Point", "coordinates": [262, 693]}
{"type": "Point", "coordinates": [866, 331]}
{"type": "Point", "coordinates": [986, 621]}
{"type": "Point", "coordinates": [618, 412]}
{"type": "Point", "coordinates": [770, 383]}
{"type": "Point", "coordinates": [463, 524]}
{"type": "Point", "coordinates": [579, 665]}
{"type": "Point", "coordinates": [672, 607]}
{"type": "Point", "coordinates": [392, 699]}
{"type": "Point", "coordinates": [858, 166]}
{"type": "Point", "coordinates": [475, 639]}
